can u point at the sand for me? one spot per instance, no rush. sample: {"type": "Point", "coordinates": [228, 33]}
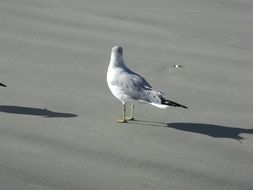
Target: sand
{"type": "Point", "coordinates": [57, 115]}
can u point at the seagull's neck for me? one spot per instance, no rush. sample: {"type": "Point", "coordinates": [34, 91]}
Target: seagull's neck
{"type": "Point", "coordinates": [116, 60]}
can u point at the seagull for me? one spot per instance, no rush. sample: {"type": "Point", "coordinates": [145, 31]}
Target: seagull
{"type": "Point", "coordinates": [130, 87]}
{"type": "Point", "coordinates": [1, 84]}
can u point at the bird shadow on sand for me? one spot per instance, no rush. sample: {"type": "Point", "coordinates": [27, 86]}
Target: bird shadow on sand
{"type": "Point", "coordinates": [215, 131]}
{"type": "Point", "coordinates": [34, 111]}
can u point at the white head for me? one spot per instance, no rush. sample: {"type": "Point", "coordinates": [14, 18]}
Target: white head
{"type": "Point", "coordinates": [117, 55]}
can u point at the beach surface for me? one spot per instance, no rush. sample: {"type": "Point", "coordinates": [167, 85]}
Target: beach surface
{"type": "Point", "coordinates": [57, 115]}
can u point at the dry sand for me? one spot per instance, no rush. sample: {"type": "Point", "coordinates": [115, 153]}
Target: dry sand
{"type": "Point", "coordinates": [57, 115]}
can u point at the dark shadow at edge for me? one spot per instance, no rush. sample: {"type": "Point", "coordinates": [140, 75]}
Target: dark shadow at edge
{"type": "Point", "coordinates": [215, 131]}
{"type": "Point", "coordinates": [1, 84]}
{"type": "Point", "coordinates": [33, 111]}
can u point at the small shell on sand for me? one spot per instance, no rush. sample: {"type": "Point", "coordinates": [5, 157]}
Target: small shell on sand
{"type": "Point", "coordinates": [177, 66]}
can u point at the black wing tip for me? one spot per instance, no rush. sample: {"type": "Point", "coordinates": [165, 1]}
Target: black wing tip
{"type": "Point", "coordinates": [1, 84]}
{"type": "Point", "coordinates": [171, 103]}
{"type": "Point", "coordinates": [180, 106]}
{"type": "Point", "coordinates": [184, 107]}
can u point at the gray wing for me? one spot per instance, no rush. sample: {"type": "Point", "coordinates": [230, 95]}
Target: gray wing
{"type": "Point", "coordinates": [137, 88]}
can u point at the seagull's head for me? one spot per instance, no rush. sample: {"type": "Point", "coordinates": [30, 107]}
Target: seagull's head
{"type": "Point", "coordinates": [117, 55]}
{"type": "Point", "coordinates": [117, 51]}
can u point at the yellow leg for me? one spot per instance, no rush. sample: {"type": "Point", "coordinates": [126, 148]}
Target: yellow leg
{"type": "Point", "coordinates": [131, 117]}
{"type": "Point", "coordinates": [124, 120]}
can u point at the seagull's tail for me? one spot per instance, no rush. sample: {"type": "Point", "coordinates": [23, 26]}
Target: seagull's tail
{"type": "Point", "coordinates": [1, 84]}
{"type": "Point", "coordinates": [156, 99]}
